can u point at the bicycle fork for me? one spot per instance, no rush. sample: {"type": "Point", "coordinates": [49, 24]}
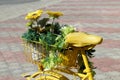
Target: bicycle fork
{"type": "Point", "coordinates": [87, 67]}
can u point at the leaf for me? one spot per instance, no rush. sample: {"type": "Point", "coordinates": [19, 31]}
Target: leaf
{"type": "Point", "coordinates": [51, 61]}
{"type": "Point", "coordinates": [67, 29]}
{"type": "Point", "coordinates": [31, 35]}
{"type": "Point", "coordinates": [43, 21]}
{"type": "Point", "coordinates": [58, 37]}
{"type": "Point", "coordinates": [57, 28]}
{"type": "Point", "coordinates": [29, 24]}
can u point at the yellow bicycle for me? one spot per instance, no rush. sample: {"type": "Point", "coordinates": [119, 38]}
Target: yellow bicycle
{"type": "Point", "coordinates": [79, 43]}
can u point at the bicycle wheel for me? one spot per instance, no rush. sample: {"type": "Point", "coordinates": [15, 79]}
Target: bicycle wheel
{"type": "Point", "coordinates": [48, 75]}
{"type": "Point", "coordinates": [47, 78]}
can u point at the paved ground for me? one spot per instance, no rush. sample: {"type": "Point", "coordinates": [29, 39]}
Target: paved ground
{"type": "Point", "coordinates": [4, 2]}
{"type": "Point", "coordinates": [13, 9]}
{"type": "Point", "coordinates": [101, 17]}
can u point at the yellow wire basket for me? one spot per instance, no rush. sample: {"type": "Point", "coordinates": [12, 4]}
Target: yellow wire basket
{"type": "Point", "coordinates": [34, 52]}
{"type": "Point", "coordinates": [69, 57]}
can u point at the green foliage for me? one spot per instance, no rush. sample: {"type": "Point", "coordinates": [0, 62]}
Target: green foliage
{"type": "Point", "coordinates": [67, 29]}
{"type": "Point", "coordinates": [51, 61]}
{"type": "Point", "coordinates": [53, 41]}
{"type": "Point", "coordinates": [43, 22]}
{"type": "Point", "coordinates": [51, 35]}
{"type": "Point", "coordinates": [47, 40]}
{"type": "Point", "coordinates": [31, 35]}
{"type": "Point", "coordinates": [57, 28]}
{"type": "Point", "coordinates": [60, 43]}
{"type": "Point", "coordinates": [29, 24]}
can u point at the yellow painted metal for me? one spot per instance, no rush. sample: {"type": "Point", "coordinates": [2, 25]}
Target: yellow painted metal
{"type": "Point", "coordinates": [53, 75]}
{"type": "Point", "coordinates": [47, 78]}
{"type": "Point", "coordinates": [82, 39]}
{"type": "Point", "coordinates": [81, 75]}
{"type": "Point", "coordinates": [69, 58]}
{"type": "Point", "coordinates": [34, 51]}
{"type": "Point", "coordinates": [87, 70]}
{"type": "Point", "coordinates": [46, 75]}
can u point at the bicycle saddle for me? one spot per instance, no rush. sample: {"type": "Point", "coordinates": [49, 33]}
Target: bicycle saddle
{"type": "Point", "coordinates": [82, 39]}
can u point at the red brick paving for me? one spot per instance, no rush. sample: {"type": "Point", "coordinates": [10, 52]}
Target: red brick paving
{"type": "Point", "coordinates": [111, 43]}
{"type": "Point", "coordinates": [73, 14]}
{"type": "Point", "coordinates": [6, 78]}
{"type": "Point", "coordinates": [102, 30]}
{"type": "Point", "coordinates": [10, 78]}
{"type": "Point", "coordinates": [13, 29]}
{"type": "Point", "coordinates": [11, 56]}
{"type": "Point", "coordinates": [107, 64]}
{"type": "Point", "coordinates": [89, 20]}
{"type": "Point", "coordinates": [85, 4]}
{"type": "Point", "coordinates": [10, 39]}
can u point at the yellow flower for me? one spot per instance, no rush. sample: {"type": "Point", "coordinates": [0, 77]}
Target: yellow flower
{"type": "Point", "coordinates": [34, 15]}
{"type": "Point", "coordinates": [54, 14]}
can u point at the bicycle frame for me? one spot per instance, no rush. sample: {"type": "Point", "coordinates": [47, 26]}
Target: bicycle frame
{"type": "Point", "coordinates": [53, 72]}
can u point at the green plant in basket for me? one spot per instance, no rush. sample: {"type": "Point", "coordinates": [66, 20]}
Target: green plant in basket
{"type": "Point", "coordinates": [48, 33]}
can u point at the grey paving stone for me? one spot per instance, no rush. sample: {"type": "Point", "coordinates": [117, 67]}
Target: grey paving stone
{"type": "Point", "coordinates": [113, 53]}
{"type": "Point", "coordinates": [15, 10]}
{"type": "Point", "coordinates": [112, 36]}
{"type": "Point", "coordinates": [4, 34]}
{"type": "Point", "coordinates": [16, 47]}
{"type": "Point", "coordinates": [102, 25]}
{"type": "Point", "coordinates": [3, 65]}
{"type": "Point", "coordinates": [4, 47]}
